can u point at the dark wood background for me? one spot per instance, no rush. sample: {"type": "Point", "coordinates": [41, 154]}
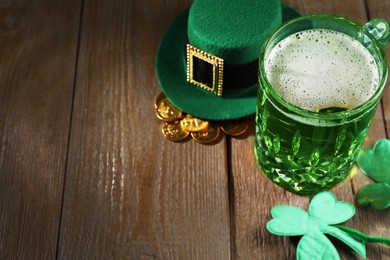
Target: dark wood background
{"type": "Point", "coordinates": [84, 170]}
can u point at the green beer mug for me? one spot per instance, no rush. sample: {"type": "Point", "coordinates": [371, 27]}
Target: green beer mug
{"type": "Point", "coordinates": [320, 80]}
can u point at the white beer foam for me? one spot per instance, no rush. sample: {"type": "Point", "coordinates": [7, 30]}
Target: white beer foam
{"type": "Point", "coordinates": [317, 69]}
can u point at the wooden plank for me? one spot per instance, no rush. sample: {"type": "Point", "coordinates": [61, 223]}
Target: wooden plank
{"type": "Point", "coordinates": [381, 9]}
{"type": "Point", "coordinates": [131, 194]}
{"type": "Point", "coordinates": [255, 195]}
{"type": "Point", "coordinates": [38, 45]}
{"type": "Point", "coordinates": [368, 220]}
{"type": "Point", "coordinates": [355, 12]}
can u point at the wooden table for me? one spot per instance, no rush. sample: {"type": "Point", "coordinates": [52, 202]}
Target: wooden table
{"type": "Point", "coordinates": [85, 172]}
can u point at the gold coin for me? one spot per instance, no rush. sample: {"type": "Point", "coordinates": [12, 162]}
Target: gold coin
{"type": "Point", "coordinates": [208, 135]}
{"type": "Point", "coordinates": [235, 127]}
{"type": "Point", "coordinates": [158, 99]}
{"type": "Point", "coordinates": [193, 124]}
{"type": "Point", "coordinates": [167, 112]}
{"type": "Point", "coordinates": [174, 132]}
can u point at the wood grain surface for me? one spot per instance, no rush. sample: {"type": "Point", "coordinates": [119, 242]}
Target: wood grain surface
{"type": "Point", "coordinates": [85, 172]}
{"type": "Point", "coordinates": [129, 192]}
{"type": "Point", "coordinates": [38, 43]}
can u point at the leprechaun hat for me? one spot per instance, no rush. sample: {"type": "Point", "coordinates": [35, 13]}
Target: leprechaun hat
{"type": "Point", "coordinates": [207, 60]}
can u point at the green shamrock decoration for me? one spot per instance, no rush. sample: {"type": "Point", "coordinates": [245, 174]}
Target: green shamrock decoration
{"type": "Point", "coordinates": [324, 213]}
{"type": "Point", "coordinates": [375, 164]}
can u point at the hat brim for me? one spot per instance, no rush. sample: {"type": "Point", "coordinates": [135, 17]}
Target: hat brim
{"type": "Point", "coordinates": [171, 75]}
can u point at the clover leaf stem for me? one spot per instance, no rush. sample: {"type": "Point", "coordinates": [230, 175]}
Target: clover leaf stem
{"type": "Point", "coordinates": [363, 237]}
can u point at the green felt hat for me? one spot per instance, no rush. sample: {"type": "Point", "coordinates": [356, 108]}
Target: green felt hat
{"type": "Point", "coordinates": [207, 61]}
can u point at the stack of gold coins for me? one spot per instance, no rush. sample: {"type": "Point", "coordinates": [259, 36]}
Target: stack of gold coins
{"type": "Point", "coordinates": [177, 126]}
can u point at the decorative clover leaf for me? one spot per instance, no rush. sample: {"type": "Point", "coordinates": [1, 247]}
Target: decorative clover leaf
{"type": "Point", "coordinates": [316, 246]}
{"type": "Point", "coordinates": [375, 164]}
{"type": "Point", "coordinates": [326, 207]}
{"type": "Point", "coordinates": [376, 194]}
{"type": "Point", "coordinates": [324, 212]}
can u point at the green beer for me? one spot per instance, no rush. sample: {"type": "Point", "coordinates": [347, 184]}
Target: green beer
{"type": "Point", "coordinates": [319, 87]}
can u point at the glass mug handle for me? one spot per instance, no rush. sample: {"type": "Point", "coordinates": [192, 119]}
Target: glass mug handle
{"type": "Point", "coordinates": [380, 30]}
